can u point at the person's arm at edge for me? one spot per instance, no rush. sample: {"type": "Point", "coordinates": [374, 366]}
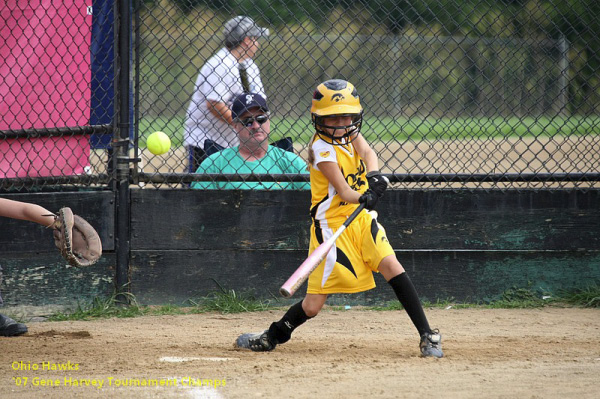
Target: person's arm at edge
{"type": "Point", "coordinates": [26, 211]}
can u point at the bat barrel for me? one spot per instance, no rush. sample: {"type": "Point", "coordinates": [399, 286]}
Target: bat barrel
{"type": "Point", "coordinates": [292, 284]}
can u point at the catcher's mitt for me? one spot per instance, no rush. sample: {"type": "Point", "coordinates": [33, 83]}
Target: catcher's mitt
{"type": "Point", "coordinates": [76, 239]}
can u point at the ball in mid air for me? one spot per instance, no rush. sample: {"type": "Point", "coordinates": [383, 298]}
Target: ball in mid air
{"type": "Point", "coordinates": [158, 143]}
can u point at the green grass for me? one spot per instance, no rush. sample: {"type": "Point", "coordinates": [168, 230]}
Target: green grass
{"type": "Point", "coordinates": [386, 129]}
{"type": "Point", "coordinates": [588, 297]}
{"type": "Point", "coordinates": [479, 128]}
{"type": "Point", "coordinates": [223, 301]}
{"type": "Point", "coordinates": [229, 301]}
{"type": "Point", "coordinates": [517, 298]}
{"type": "Point", "coordinates": [102, 308]}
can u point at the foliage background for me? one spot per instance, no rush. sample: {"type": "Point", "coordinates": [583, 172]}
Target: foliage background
{"type": "Point", "coordinates": [433, 57]}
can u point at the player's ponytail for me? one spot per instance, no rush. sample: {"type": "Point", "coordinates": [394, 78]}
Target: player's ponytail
{"type": "Point", "coordinates": [311, 153]}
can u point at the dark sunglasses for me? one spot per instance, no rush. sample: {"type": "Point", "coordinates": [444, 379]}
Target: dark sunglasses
{"type": "Point", "coordinates": [250, 120]}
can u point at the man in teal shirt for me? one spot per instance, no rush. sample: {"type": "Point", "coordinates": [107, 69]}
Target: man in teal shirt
{"type": "Point", "coordinates": [254, 155]}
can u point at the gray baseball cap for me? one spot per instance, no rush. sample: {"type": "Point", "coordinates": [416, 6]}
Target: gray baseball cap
{"type": "Point", "coordinates": [236, 29]}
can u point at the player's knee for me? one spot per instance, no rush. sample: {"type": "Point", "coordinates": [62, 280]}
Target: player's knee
{"type": "Point", "coordinates": [390, 267]}
{"type": "Point", "coordinates": [312, 307]}
{"type": "Point", "coordinates": [312, 310]}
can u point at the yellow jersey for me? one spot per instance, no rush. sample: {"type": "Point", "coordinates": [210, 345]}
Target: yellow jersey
{"type": "Point", "coordinates": [327, 207]}
{"type": "Point", "coordinates": [357, 253]}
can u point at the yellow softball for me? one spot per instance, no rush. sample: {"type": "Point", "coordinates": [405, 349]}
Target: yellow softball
{"type": "Point", "coordinates": [158, 143]}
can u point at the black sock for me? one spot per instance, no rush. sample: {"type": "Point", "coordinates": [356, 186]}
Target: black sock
{"type": "Point", "coordinates": [407, 295]}
{"type": "Point", "coordinates": [281, 331]}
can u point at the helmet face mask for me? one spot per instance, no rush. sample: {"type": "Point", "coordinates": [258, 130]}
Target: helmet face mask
{"type": "Point", "coordinates": [335, 98]}
{"type": "Point", "coordinates": [329, 134]}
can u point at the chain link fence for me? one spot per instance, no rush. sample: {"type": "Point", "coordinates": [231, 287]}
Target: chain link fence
{"type": "Point", "coordinates": [457, 93]}
{"type": "Point", "coordinates": [56, 94]}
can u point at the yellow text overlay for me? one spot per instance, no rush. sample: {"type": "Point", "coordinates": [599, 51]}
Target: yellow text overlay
{"type": "Point", "coordinates": [101, 383]}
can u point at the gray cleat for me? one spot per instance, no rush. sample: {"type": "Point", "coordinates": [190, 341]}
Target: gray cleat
{"type": "Point", "coordinates": [10, 328]}
{"type": "Point", "coordinates": [431, 344]}
{"type": "Point", "coordinates": [258, 342]}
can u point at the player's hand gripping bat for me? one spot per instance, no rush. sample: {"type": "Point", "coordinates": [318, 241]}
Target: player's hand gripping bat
{"type": "Point", "coordinates": [315, 258]}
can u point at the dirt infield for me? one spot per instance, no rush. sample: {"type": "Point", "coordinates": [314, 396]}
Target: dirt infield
{"type": "Point", "coordinates": [534, 353]}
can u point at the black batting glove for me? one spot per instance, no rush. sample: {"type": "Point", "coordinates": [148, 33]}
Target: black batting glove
{"type": "Point", "coordinates": [377, 182]}
{"type": "Point", "coordinates": [369, 198]}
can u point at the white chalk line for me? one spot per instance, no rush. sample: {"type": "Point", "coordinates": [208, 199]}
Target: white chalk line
{"type": "Point", "coordinates": [175, 359]}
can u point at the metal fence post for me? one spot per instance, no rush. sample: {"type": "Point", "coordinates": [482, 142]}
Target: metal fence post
{"type": "Point", "coordinates": [121, 159]}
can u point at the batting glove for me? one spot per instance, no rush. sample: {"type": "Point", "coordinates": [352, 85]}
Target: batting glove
{"type": "Point", "coordinates": [377, 182]}
{"type": "Point", "coordinates": [369, 198]}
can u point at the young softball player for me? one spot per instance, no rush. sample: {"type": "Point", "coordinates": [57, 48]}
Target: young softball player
{"type": "Point", "coordinates": [344, 172]}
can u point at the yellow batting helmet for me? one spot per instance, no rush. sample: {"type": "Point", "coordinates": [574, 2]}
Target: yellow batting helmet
{"type": "Point", "coordinates": [336, 97]}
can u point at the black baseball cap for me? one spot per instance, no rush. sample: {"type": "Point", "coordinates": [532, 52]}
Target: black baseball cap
{"type": "Point", "coordinates": [247, 101]}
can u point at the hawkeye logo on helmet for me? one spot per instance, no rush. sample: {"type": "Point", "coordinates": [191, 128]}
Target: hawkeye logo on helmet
{"type": "Point", "coordinates": [337, 97]}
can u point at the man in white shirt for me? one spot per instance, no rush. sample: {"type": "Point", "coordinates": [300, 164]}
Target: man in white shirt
{"type": "Point", "coordinates": [208, 120]}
